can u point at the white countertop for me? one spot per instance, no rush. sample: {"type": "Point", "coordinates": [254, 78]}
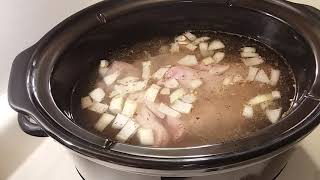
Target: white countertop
{"type": "Point", "coordinates": [29, 158]}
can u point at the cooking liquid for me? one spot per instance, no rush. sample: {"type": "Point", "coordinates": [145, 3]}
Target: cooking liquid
{"type": "Point", "coordinates": [216, 116]}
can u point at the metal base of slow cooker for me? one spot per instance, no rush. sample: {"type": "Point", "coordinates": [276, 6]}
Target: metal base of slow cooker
{"type": "Point", "coordinates": [166, 178]}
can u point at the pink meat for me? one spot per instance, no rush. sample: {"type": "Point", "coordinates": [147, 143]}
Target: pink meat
{"type": "Point", "coordinates": [148, 120]}
{"type": "Point", "coordinates": [176, 128]}
{"type": "Point", "coordinates": [183, 74]}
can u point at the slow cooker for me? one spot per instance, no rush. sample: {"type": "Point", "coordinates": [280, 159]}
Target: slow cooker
{"type": "Point", "coordinates": [43, 76]}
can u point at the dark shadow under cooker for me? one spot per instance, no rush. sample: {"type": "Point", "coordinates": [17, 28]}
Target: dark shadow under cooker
{"type": "Point", "coordinates": [43, 76]}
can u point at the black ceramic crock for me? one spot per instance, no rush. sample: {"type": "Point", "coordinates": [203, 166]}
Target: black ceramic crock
{"type": "Point", "coordinates": [43, 76]}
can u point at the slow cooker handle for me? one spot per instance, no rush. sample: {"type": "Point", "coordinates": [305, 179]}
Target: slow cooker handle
{"type": "Point", "coordinates": [18, 96]}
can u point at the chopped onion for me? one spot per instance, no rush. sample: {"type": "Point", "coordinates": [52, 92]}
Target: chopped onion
{"type": "Point", "coordinates": [218, 57]}
{"type": "Point", "coordinates": [146, 70]}
{"type": "Point", "coordinates": [175, 48]}
{"type": "Point", "coordinates": [190, 36]}
{"type": "Point", "coordinates": [208, 61]}
{"type": "Point", "coordinates": [103, 122]}
{"type": "Point", "coordinates": [200, 40]}
{"type": "Point", "coordinates": [184, 42]}
{"type": "Point", "coordinates": [110, 79]}
{"type": "Point", "coordinates": [249, 54]}
{"type": "Point", "coordinates": [127, 131]}
{"type": "Point", "coordinates": [177, 94]}
{"type": "Point", "coordinates": [203, 47]}
{"type": "Point", "coordinates": [219, 69]}
{"type": "Point", "coordinates": [247, 112]}
{"type": "Point", "coordinates": [188, 60]}
{"type": "Point", "coordinates": [191, 47]}
{"type": "Point", "coordinates": [97, 94]}
{"type": "Point", "coordinates": [116, 104]}
{"type": "Point", "coordinates": [114, 94]}
{"type": "Point", "coordinates": [276, 94]}
{"type": "Point", "coordinates": [86, 102]}
{"type": "Point", "coordinates": [227, 81]}
{"type": "Point", "coordinates": [152, 93]}
{"type": "Point", "coordinates": [145, 136]}
{"type": "Point", "coordinates": [160, 73]}
{"type": "Point", "coordinates": [182, 107]}
{"type": "Point", "coordinates": [132, 87]}
{"type": "Point", "coordinates": [274, 114]}
{"type": "Point", "coordinates": [248, 50]}
{"type": "Point", "coordinates": [180, 38]}
{"type": "Point", "coordinates": [104, 63]}
{"type": "Point", "coordinates": [98, 107]}
{"type": "Point", "coordinates": [189, 98]}
{"type": "Point", "coordinates": [129, 108]}
{"type": "Point", "coordinates": [127, 80]}
{"type": "Point", "coordinates": [237, 78]}
{"type": "Point", "coordinates": [260, 99]}
{"type": "Point", "coordinates": [262, 77]}
{"type": "Point", "coordinates": [196, 83]}
{"type": "Point", "coordinates": [274, 77]}
{"type": "Point", "coordinates": [252, 73]}
{"type": "Point", "coordinates": [171, 83]}
{"type": "Point", "coordinates": [215, 45]}
{"type": "Point", "coordinates": [120, 121]}
{"type": "Point", "coordinates": [165, 91]}
{"type": "Point", "coordinates": [253, 61]}
{"type": "Point", "coordinates": [154, 108]}
{"type": "Point", "coordinates": [169, 111]}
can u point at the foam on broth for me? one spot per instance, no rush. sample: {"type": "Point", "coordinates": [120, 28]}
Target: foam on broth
{"type": "Point", "coordinates": [216, 116]}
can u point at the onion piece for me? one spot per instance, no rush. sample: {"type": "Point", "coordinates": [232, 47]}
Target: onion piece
{"type": "Point", "coordinates": [169, 111]}
{"type": "Point", "coordinates": [227, 81]}
{"type": "Point", "coordinates": [127, 131]}
{"type": "Point", "coordinates": [200, 40]}
{"type": "Point", "coordinates": [171, 83]}
{"type": "Point", "coordinates": [174, 48]}
{"type": "Point", "coordinates": [215, 45]}
{"type": "Point", "coordinates": [252, 73]}
{"type": "Point", "coordinates": [191, 47]}
{"type": "Point", "coordinates": [274, 77]}
{"type": "Point", "coordinates": [165, 91]}
{"type": "Point", "coordinates": [194, 84]}
{"type": "Point", "coordinates": [248, 112]}
{"type": "Point", "coordinates": [104, 121]}
{"type": "Point", "coordinates": [177, 94]}
{"type": "Point", "coordinates": [262, 77]}
{"type": "Point", "coordinates": [276, 94]}
{"type": "Point", "coordinates": [116, 104]}
{"type": "Point", "coordinates": [127, 80]}
{"type": "Point", "coordinates": [104, 63]}
{"type": "Point", "coordinates": [97, 95]}
{"type": "Point", "coordinates": [86, 102]}
{"type": "Point", "coordinates": [260, 99]}
{"type": "Point", "coordinates": [203, 47]}
{"type": "Point", "coordinates": [188, 60]}
{"type": "Point", "coordinates": [249, 54]}
{"type": "Point", "coordinates": [219, 69]}
{"type": "Point", "coordinates": [160, 73]}
{"type": "Point", "coordinates": [182, 107]}
{"type": "Point", "coordinates": [189, 98]}
{"type": "Point", "coordinates": [110, 79]}
{"type": "Point", "coordinates": [180, 38]}
{"type": "Point", "coordinates": [249, 49]}
{"type": "Point", "coordinates": [120, 121]}
{"type": "Point", "coordinates": [98, 107]}
{"type": "Point", "coordinates": [190, 36]}
{"type": "Point", "coordinates": [146, 70]}
{"type": "Point", "coordinates": [132, 87]}
{"type": "Point", "coordinates": [154, 108]}
{"type": "Point", "coordinates": [129, 108]}
{"type": "Point", "coordinates": [208, 60]}
{"type": "Point", "coordinates": [152, 93]}
{"type": "Point", "coordinates": [145, 136]}
{"type": "Point", "coordinates": [218, 57]}
{"type": "Point", "coordinates": [274, 114]}
{"type": "Point", "coordinates": [253, 61]}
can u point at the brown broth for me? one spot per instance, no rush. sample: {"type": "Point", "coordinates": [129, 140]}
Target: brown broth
{"type": "Point", "coordinates": [217, 114]}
